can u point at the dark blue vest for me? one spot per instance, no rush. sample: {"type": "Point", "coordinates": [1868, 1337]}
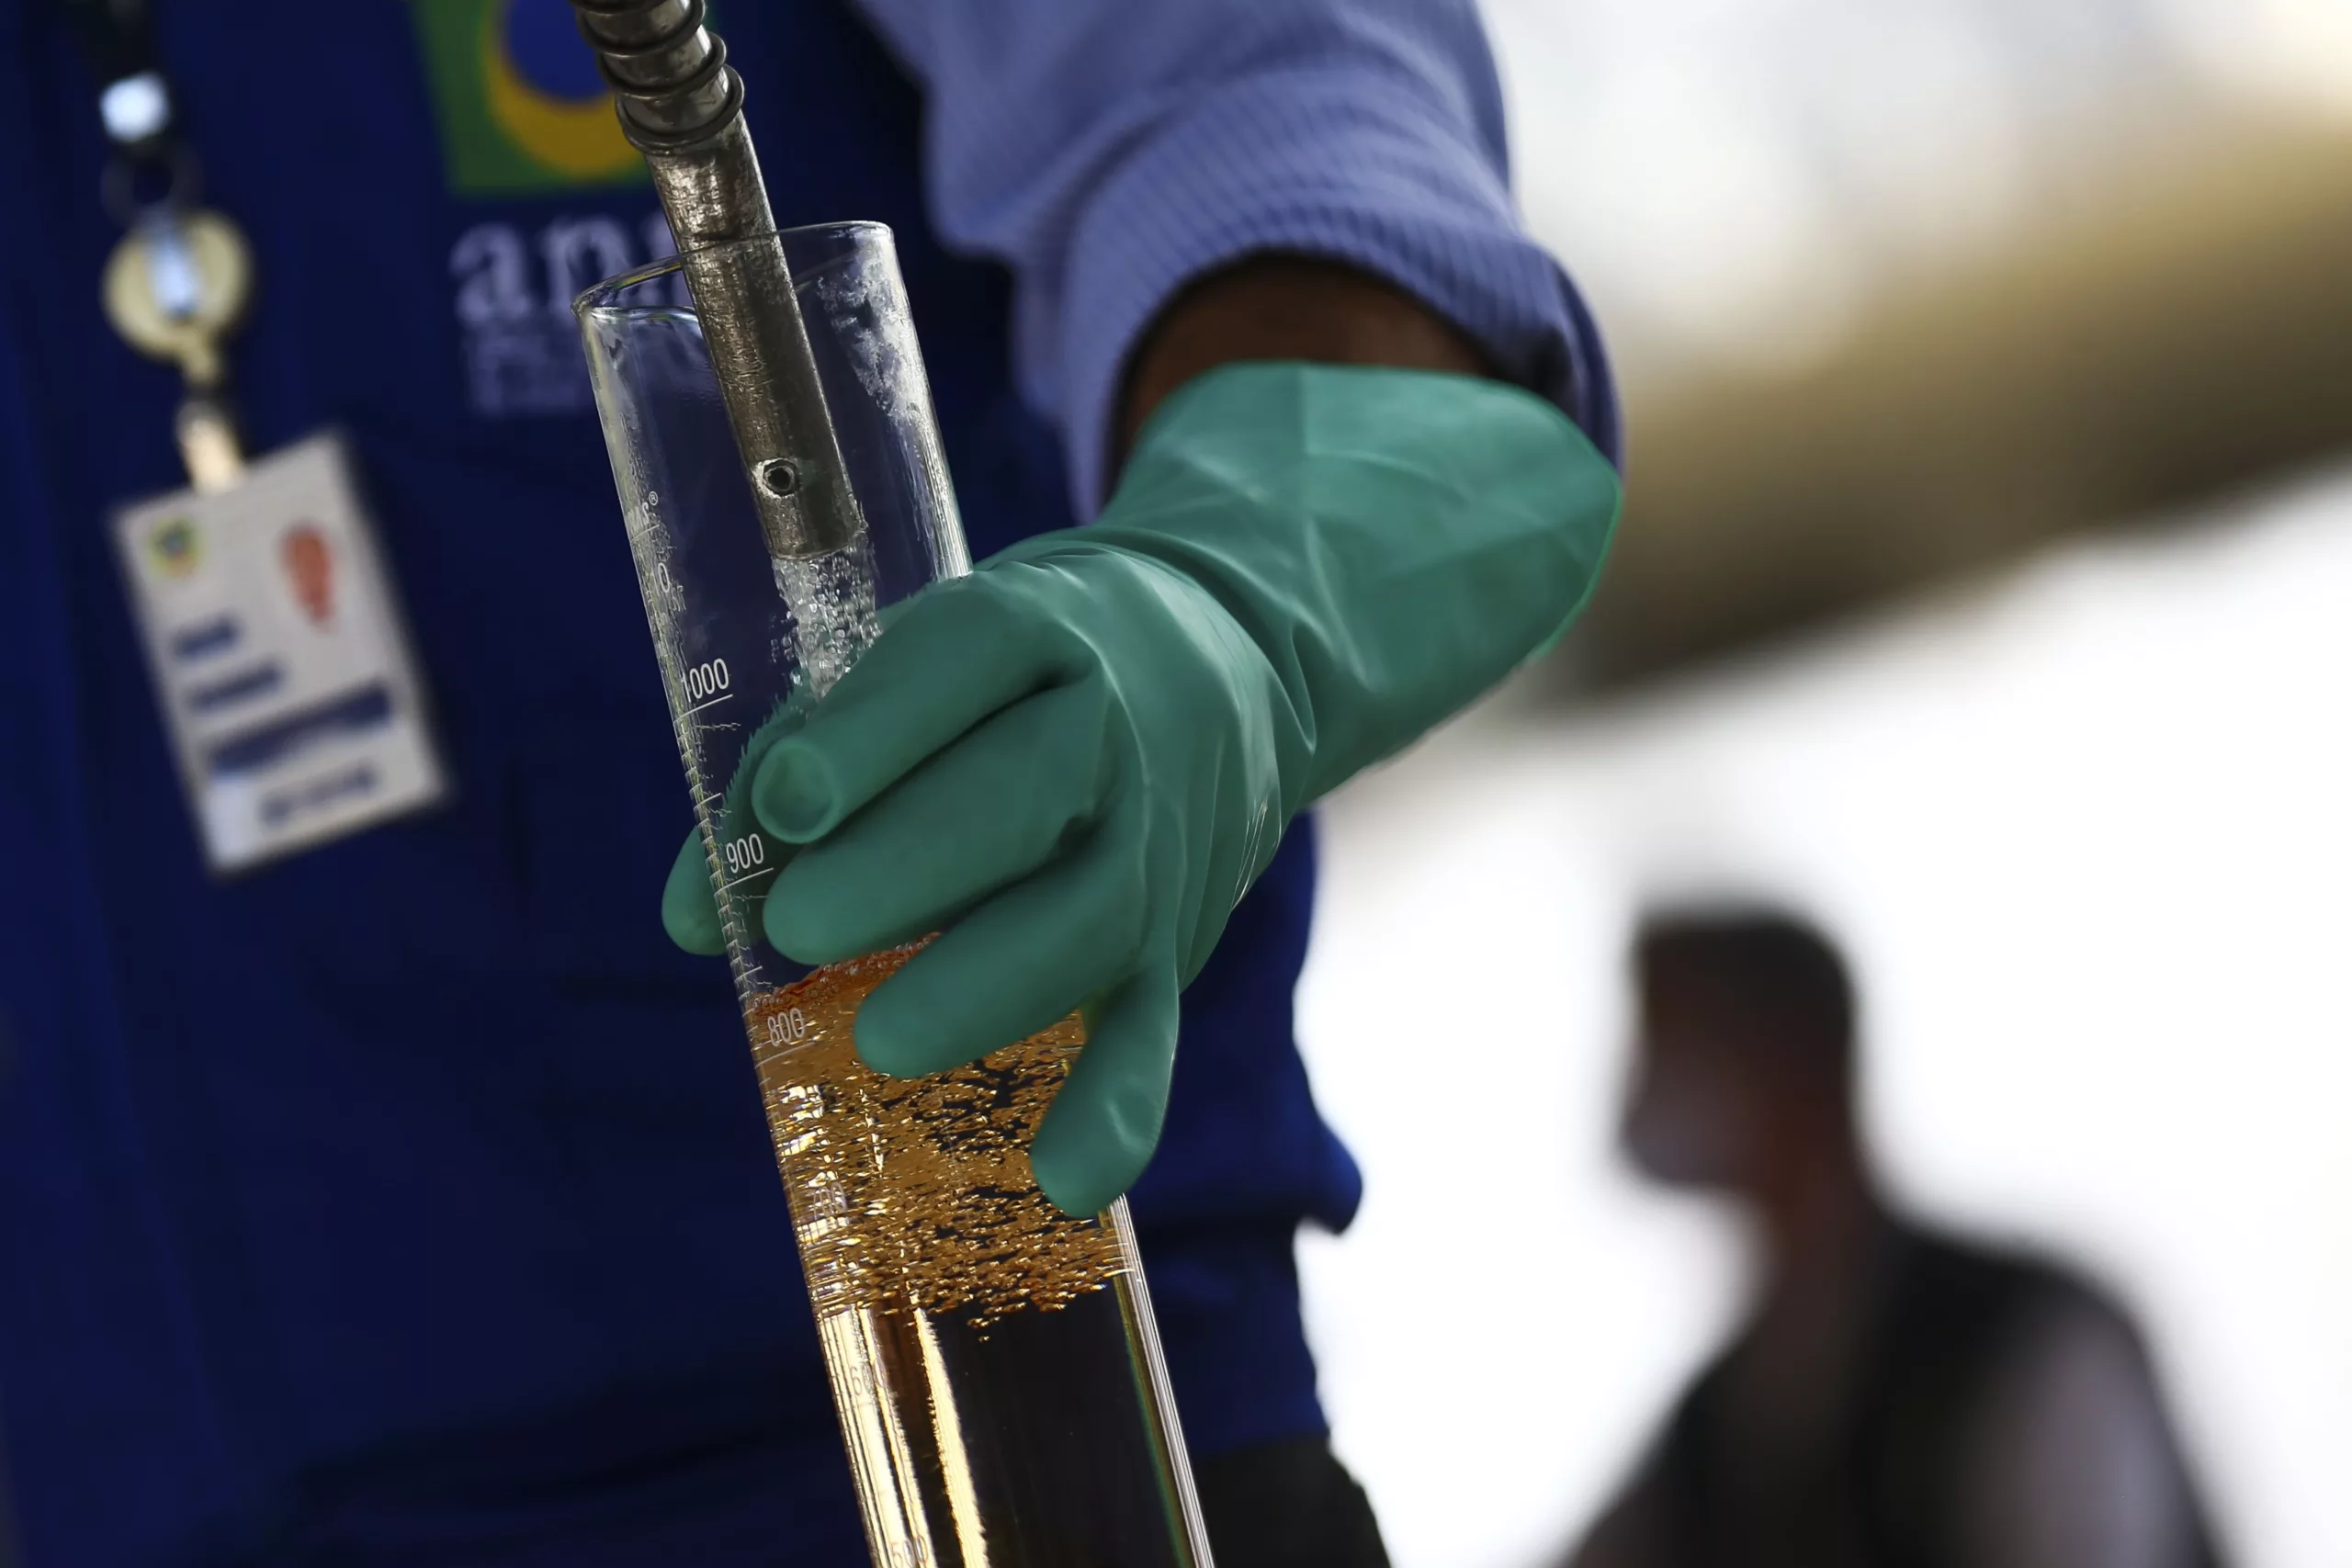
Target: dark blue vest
{"type": "Point", "coordinates": [409, 1200]}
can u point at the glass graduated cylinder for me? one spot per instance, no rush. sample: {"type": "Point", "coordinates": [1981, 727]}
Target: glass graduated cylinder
{"type": "Point", "coordinates": [992, 1361]}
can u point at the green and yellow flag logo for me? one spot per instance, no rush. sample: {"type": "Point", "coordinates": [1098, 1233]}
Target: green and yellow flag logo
{"type": "Point", "coordinates": [522, 107]}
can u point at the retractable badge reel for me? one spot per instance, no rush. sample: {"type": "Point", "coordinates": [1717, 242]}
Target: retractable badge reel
{"type": "Point", "coordinates": [295, 709]}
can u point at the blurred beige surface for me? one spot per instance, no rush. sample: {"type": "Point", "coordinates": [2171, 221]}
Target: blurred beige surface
{"type": "Point", "coordinates": [2186, 333]}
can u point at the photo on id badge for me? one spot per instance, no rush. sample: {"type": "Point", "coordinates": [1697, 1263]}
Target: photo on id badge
{"type": "Point", "coordinates": [293, 704]}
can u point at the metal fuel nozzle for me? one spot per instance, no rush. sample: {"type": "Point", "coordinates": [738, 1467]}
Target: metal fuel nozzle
{"type": "Point", "coordinates": [682, 104]}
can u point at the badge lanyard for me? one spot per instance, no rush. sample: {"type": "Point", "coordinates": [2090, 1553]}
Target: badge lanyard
{"type": "Point", "coordinates": [294, 705]}
{"type": "Point", "coordinates": [178, 284]}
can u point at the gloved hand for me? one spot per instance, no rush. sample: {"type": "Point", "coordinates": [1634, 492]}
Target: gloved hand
{"type": "Point", "coordinates": [1073, 762]}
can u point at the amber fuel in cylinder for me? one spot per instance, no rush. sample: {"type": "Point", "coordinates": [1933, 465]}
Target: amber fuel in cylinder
{"type": "Point", "coordinates": [993, 1359]}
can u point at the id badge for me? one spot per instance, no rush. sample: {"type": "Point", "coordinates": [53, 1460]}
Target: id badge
{"type": "Point", "coordinates": [293, 703]}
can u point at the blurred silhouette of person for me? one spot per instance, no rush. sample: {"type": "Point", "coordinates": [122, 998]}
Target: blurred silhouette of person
{"type": "Point", "coordinates": [1898, 1398]}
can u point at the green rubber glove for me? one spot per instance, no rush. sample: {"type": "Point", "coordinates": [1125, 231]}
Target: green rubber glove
{"type": "Point", "coordinates": [1073, 762]}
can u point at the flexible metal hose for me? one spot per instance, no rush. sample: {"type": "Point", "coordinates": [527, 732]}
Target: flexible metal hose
{"type": "Point", "coordinates": [669, 75]}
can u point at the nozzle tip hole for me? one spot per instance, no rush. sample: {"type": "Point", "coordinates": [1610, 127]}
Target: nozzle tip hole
{"type": "Point", "coordinates": [780, 477]}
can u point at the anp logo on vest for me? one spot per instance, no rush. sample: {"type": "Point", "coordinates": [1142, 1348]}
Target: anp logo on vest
{"type": "Point", "coordinates": [521, 104]}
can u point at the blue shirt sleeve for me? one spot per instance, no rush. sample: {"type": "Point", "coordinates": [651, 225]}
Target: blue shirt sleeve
{"type": "Point", "coordinates": [1110, 154]}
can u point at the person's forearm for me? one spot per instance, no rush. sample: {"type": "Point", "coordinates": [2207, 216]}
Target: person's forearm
{"type": "Point", "coordinates": [1284, 307]}
{"type": "Point", "coordinates": [1110, 155]}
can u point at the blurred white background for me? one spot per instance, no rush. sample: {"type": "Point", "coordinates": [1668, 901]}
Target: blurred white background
{"type": "Point", "coordinates": [2086, 829]}
{"type": "Point", "coordinates": [2089, 838]}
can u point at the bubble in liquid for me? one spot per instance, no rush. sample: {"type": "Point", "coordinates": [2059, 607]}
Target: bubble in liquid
{"type": "Point", "coordinates": [831, 602]}
{"type": "Point", "coordinates": [916, 1194]}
